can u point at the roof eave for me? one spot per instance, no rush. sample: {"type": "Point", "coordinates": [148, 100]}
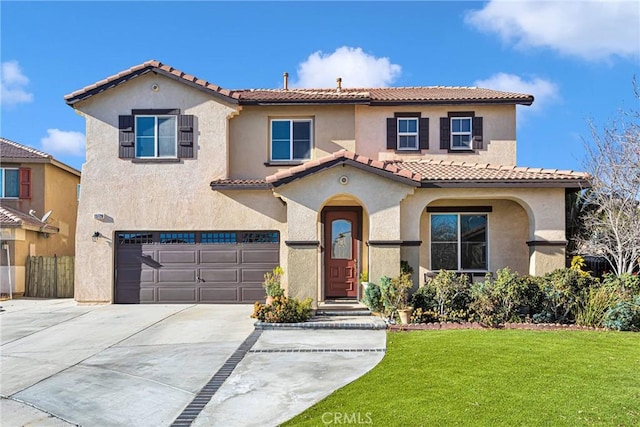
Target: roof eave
{"type": "Point", "coordinates": [530, 183]}
{"type": "Point", "coordinates": [516, 101]}
{"type": "Point", "coordinates": [237, 187]}
{"type": "Point", "coordinates": [307, 102]}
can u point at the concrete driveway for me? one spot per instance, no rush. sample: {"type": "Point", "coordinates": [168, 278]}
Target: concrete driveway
{"type": "Point", "coordinates": [111, 365]}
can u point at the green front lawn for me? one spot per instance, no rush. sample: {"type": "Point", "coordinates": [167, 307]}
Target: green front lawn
{"type": "Point", "coordinates": [493, 377]}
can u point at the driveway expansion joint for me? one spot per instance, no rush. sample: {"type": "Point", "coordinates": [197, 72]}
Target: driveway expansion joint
{"type": "Point", "coordinates": [193, 409]}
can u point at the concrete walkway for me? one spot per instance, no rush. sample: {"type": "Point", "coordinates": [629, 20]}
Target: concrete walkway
{"type": "Point", "coordinates": [68, 364]}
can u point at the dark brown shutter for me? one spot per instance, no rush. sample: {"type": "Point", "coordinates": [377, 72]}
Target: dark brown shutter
{"type": "Point", "coordinates": [392, 133]}
{"type": "Point", "coordinates": [24, 176]}
{"type": "Point", "coordinates": [423, 133]}
{"type": "Point", "coordinates": [477, 133]}
{"type": "Point", "coordinates": [127, 137]}
{"type": "Point", "coordinates": [185, 136]}
{"type": "Point", "coordinates": [445, 133]}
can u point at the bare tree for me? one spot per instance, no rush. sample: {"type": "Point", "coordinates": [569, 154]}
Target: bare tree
{"type": "Point", "coordinates": [612, 220]}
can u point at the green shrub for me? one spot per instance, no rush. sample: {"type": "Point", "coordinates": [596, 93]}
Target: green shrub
{"type": "Point", "coordinates": [271, 283]}
{"type": "Point", "coordinates": [624, 316]}
{"type": "Point", "coordinates": [594, 305]}
{"type": "Point", "coordinates": [395, 293]}
{"type": "Point", "coordinates": [283, 310]}
{"type": "Point", "coordinates": [451, 295]}
{"type": "Point", "coordinates": [373, 298]}
{"type": "Point", "coordinates": [561, 291]}
{"type": "Point", "coordinates": [421, 315]}
{"type": "Point", "coordinates": [507, 298]}
{"type": "Point", "coordinates": [626, 285]}
{"type": "Point", "coordinates": [424, 299]}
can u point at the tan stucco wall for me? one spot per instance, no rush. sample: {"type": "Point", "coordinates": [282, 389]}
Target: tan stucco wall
{"type": "Point", "coordinates": [249, 139]}
{"type": "Point", "coordinates": [174, 196]}
{"type": "Point", "coordinates": [499, 133]}
{"type": "Point", "coordinates": [520, 215]}
{"type": "Point", "coordinates": [379, 197]}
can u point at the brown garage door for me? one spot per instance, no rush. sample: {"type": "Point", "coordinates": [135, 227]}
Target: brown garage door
{"type": "Point", "coordinates": [187, 267]}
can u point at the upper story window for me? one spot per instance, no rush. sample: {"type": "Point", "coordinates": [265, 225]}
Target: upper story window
{"type": "Point", "coordinates": [459, 242]}
{"type": "Point", "coordinates": [156, 136]}
{"type": "Point", "coordinates": [461, 133]}
{"type": "Point", "coordinates": [15, 183]}
{"type": "Point", "coordinates": [291, 139]}
{"type": "Point", "coordinates": [408, 133]}
{"type": "Point", "coordinates": [9, 183]}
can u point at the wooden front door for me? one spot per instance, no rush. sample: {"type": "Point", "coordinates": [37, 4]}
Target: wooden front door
{"type": "Point", "coordinates": [341, 237]}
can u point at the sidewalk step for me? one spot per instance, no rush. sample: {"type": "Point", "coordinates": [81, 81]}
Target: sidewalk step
{"type": "Point", "coordinates": [325, 312]}
{"type": "Point", "coordinates": [329, 322]}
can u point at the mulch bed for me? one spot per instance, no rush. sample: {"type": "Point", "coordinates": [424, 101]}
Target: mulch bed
{"type": "Point", "coordinates": [476, 325]}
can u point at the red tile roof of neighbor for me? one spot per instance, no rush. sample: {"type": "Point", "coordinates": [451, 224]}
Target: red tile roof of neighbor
{"type": "Point", "coordinates": [425, 173]}
{"type": "Point", "coordinates": [13, 150]}
{"type": "Point", "coordinates": [390, 95]}
{"type": "Point", "coordinates": [14, 218]}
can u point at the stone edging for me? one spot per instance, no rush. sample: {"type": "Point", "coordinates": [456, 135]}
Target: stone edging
{"type": "Point", "coordinates": [320, 325]}
{"type": "Point", "coordinates": [476, 325]}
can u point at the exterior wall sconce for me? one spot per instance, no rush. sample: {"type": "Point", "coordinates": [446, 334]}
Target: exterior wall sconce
{"type": "Point", "coordinates": [96, 235]}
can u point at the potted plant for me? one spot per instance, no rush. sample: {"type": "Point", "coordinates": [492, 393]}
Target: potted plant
{"type": "Point", "coordinates": [395, 296]}
{"type": "Point", "coordinates": [364, 280]}
{"type": "Point", "coordinates": [272, 285]}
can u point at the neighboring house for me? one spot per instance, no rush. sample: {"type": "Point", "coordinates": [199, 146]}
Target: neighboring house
{"type": "Point", "coordinates": [196, 190]}
{"type": "Point", "coordinates": [38, 209]}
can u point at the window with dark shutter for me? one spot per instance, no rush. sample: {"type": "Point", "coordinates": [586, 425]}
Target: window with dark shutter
{"type": "Point", "coordinates": [392, 133]}
{"type": "Point", "coordinates": [424, 133]}
{"type": "Point", "coordinates": [185, 136]}
{"type": "Point", "coordinates": [126, 137]}
{"type": "Point", "coordinates": [445, 133]}
{"type": "Point", "coordinates": [25, 183]}
{"type": "Point", "coordinates": [477, 133]}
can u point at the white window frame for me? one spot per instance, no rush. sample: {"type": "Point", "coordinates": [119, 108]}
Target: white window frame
{"type": "Point", "coordinates": [4, 182]}
{"type": "Point", "coordinates": [470, 133]}
{"type": "Point", "coordinates": [416, 134]}
{"type": "Point", "coordinates": [459, 242]}
{"type": "Point", "coordinates": [155, 135]}
{"type": "Point", "coordinates": [291, 121]}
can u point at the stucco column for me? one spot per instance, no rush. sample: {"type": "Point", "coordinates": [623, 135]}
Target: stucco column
{"type": "Point", "coordinates": [547, 239]}
{"type": "Point", "coordinates": [384, 243]}
{"type": "Point", "coordinates": [546, 256]}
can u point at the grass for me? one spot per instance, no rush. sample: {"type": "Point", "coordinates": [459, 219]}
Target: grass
{"type": "Point", "coordinates": [493, 378]}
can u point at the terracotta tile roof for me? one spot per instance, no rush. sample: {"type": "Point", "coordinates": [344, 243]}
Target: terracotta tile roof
{"type": "Point", "coordinates": [144, 68]}
{"type": "Point", "coordinates": [239, 184]}
{"type": "Point", "coordinates": [14, 218]}
{"type": "Point", "coordinates": [388, 95]}
{"type": "Point", "coordinates": [450, 171]}
{"type": "Point", "coordinates": [424, 173]}
{"type": "Point", "coordinates": [13, 150]}
{"type": "Point", "coordinates": [387, 169]}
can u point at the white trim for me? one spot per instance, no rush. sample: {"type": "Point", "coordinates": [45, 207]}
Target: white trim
{"type": "Point", "coordinates": [416, 134]}
{"type": "Point", "coordinates": [155, 136]}
{"type": "Point", "coordinates": [291, 122]}
{"type": "Point", "coordinates": [470, 133]}
{"type": "Point", "coordinates": [459, 242]}
{"type": "Point", "coordinates": [4, 181]}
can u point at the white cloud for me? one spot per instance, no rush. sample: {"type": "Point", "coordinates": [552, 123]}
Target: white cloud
{"type": "Point", "coordinates": [592, 30]}
{"type": "Point", "coordinates": [357, 69]}
{"type": "Point", "coordinates": [63, 142]}
{"type": "Point", "coordinates": [13, 85]}
{"type": "Point", "coordinates": [543, 91]}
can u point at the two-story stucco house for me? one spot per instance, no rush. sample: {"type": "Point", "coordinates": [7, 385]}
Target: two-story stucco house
{"type": "Point", "coordinates": [34, 187]}
{"type": "Point", "coordinates": [196, 191]}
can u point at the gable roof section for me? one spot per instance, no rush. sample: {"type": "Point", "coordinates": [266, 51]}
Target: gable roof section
{"type": "Point", "coordinates": [13, 152]}
{"type": "Point", "coordinates": [384, 96]}
{"type": "Point", "coordinates": [144, 68]}
{"type": "Point", "coordinates": [370, 96]}
{"type": "Point", "coordinates": [13, 218]}
{"type": "Point", "coordinates": [421, 173]}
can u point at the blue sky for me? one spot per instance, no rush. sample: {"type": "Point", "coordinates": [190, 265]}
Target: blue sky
{"type": "Point", "coordinates": [577, 58]}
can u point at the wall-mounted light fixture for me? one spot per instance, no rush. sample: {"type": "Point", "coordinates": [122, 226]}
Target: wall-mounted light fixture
{"type": "Point", "coordinates": [5, 245]}
{"type": "Point", "coordinates": [96, 235]}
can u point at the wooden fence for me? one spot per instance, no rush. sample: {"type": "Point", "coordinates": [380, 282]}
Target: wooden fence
{"type": "Point", "coordinates": [49, 277]}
